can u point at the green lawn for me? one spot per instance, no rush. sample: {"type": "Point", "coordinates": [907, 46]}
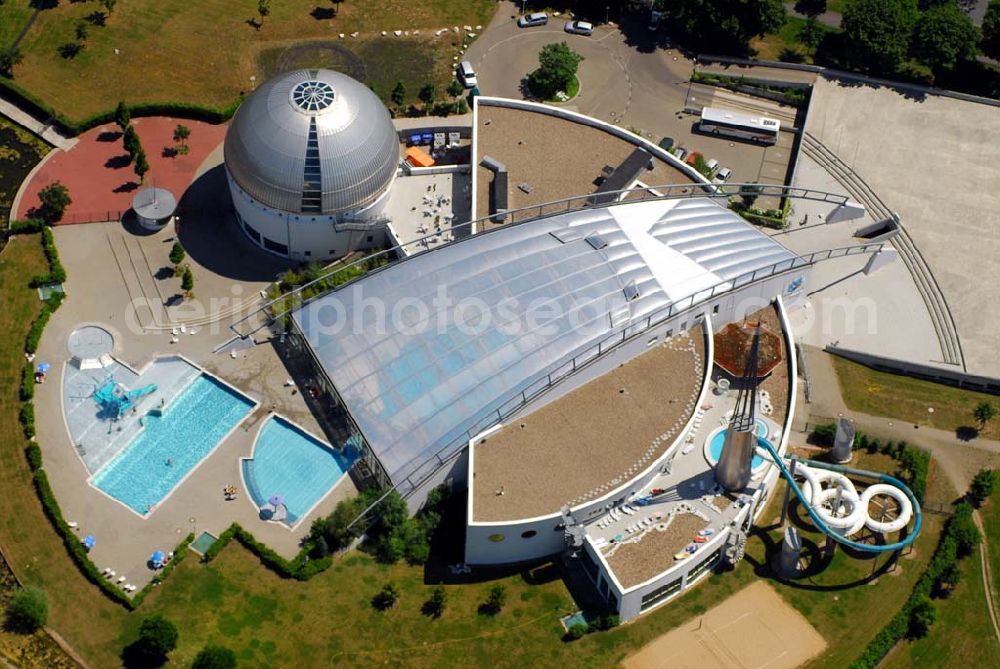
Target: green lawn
{"type": "Point", "coordinates": [991, 519]}
{"type": "Point", "coordinates": [907, 399]}
{"type": "Point", "coordinates": [769, 47]}
{"type": "Point", "coordinates": [14, 15]}
{"type": "Point", "coordinates": [170, 50]}
{"type": "Point", "coordinates": [962, 636]}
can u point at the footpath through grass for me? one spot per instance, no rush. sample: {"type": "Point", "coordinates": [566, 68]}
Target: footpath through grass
{"type": "Point", "coordinates": [171, 51]}
{"type": "Point", "coordinates": [907, 399]}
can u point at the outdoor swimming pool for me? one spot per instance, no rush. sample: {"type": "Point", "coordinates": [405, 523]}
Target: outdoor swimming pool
{"type": "Point", "coordinates": [172, 443]}
{"type": "Point", "coordinates": [718, 438]}
{"type": "Point", "coordinates": [289, 462]}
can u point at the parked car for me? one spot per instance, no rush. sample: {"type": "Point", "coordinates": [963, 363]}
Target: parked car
{"type": "Point", "coordinates": [681, 153]}
{"type": "Point", "coordinates": [533, 19]}
{"type": "Point", "coordinates": [722, 175]}
{"type": "Point", "coordinates": [667, 143]}
{"type": "Point", "coordinates": [712, 164]}
{"type": "Point", "coordinates": [579, 27]}
{"type": "Point", "coordinates": [467, 75]}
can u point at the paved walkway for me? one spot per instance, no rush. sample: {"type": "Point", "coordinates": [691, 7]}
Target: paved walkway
{"type": "Point", "coordinates": [831, 19]}
{"type": "Point", "coordinates": [100, 179]}
{"type": "Point", "coordinates": [44, 130]}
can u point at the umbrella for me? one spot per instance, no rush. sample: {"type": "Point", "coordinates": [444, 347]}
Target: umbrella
{"type": "Point", "coordinates": [276, 500]}
{"type": "Point", "coordinates": [44, 367]}
{"type": "Point", "coordinates": [157, 558]}
{"type": "Point", "coordinates": [89, 541]}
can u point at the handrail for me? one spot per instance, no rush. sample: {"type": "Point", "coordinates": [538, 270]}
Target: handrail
{"type": "Point", "coordinates": [821, 524]}
{"type": "Point", "coordinates": [512, 217]}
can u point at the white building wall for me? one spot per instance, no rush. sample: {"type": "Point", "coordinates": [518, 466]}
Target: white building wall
{"type": "Point", "coordinates": [304, 236]}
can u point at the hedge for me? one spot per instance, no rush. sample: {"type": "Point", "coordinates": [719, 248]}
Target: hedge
{"type": "Point", "coordinates": [944, 556]}
{"type": "Point", "coordinates": [301, 567]}
{"type": "Point", "coordinates": [57, 273]}
{"type": "Point", "coordinates": [42, 111]}
{"type": "Point", "coordinates": [28, 226]}
{"type": "Point", "coordinates": [28, 381]}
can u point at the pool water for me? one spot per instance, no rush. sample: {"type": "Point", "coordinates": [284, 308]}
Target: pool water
{"type": "Point", "coordinates": [172, 443]}
{"type": "Point", "coordinates": [289, 462]}
{"type": "Point", "coordinates": [715, 448]}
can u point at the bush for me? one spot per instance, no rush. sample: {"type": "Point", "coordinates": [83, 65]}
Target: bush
{"type": "Point", "coordinates": [557, 65]}
{"type": "Point", "coordinates": [576, 631]}
{"type": "Point", "coordinates": [964, 530]}
{"type": "Point", "coordinates": [177, 253]}
{"type": "Point", "coordinates": [27, 418]}
{"type": "Point", "coordinates": [434, 606]}
{"type": "Point", "coordinates": [157, 637]}
{"type": "Point", "coordinates": [54, 199]}
{"type": "Point", "coordinates": [386, 598]}
{"type": "Point", "coordinates": [495, 600]}
{"type": "Point", "coordinates": [922, 616]}
{"type": "Point", "coordinates": [27, 611]}
{"type": "Point", "coordinates": [214, 657]}
{"type": "Point", "coordinates": [824, 434]}
{"type": "Point", "coordinates": [27, 390]}
{"type": "Point", "coordinates": [983, 485]}
{"type": "Point", "coordinates": [187, 280]}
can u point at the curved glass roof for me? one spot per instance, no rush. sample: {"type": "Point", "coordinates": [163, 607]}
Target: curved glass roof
{"type": "Point", "coordinates": [429, 348]}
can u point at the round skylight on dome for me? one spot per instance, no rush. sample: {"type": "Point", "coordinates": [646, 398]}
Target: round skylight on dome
{"type": "Point", "coordinates": [313, 96]}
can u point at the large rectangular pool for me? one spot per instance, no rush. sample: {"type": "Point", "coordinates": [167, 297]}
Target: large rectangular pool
{"type": "Point", "coordinates": [172, 443]}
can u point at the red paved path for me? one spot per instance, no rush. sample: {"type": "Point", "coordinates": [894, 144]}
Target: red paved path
{"type": "Point", "coordinates": [97, 186]}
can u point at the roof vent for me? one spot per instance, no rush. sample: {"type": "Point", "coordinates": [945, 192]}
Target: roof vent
{"type": "Point", "coordinates": [596, 241]}
{"type": "Point", "coordinates": [313, 96]}
{"type": "Point", "coordinates": [631, 291]}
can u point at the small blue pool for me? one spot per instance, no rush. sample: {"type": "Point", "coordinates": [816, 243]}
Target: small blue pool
{"type": "Point", "coordinates": [172, 443]}
{"type": "Point", "coordinates": [715, 447]}
{"type": "Point", "coordinates": [289, 462]}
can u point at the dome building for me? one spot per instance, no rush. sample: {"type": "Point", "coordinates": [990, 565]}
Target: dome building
{"type": "Point", "coordinates": [310, 157]}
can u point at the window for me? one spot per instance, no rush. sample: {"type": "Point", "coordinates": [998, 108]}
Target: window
{"type": "Point", "coordinates": [528, 534]}
{"type": "Point", "coordinates": [715, 309]}
{"type": "Point", "coordinates": [497, 538]}
{"type": "Point", "coordinates": [596, 241]}
{"type": "Point", "coordinates": [670, 333]}
{"type": "Point", "coordinates": [309, 253]}
{"type": "Point", "coordinates": [704, 566]}
{"type": "Point", "coordinates": [659, 594]}
{"type": "Point", "coordinates": [254, 235]}
{"type": "Point", "coordinates": [652, 340]}
{"type": "Point", "coordinates": [371, 238]}
{"type": "Point", "coordinates": [272, 245]}
{"type": "Point", "coordinates": [631, 291]}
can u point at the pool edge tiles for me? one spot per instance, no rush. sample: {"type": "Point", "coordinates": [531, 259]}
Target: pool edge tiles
{"type": "Point", "coordinates": [303, 508]}
{"type": "Point", "coordinates": [140, 454]}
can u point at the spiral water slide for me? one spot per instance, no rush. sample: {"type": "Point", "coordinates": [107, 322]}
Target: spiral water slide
{"type": "Point", "coordinates": [839, 511]}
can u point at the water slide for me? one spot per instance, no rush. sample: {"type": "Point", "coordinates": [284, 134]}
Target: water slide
{"type": "Point", "coordinates": [847, 501]}
{"type": "Point", "coordinates": [113, 397]}
{"type": "Point", "coordinates": [132, 395]}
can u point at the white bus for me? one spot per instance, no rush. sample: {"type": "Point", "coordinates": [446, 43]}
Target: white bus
{"type": "Point", "coordinates": [758, 129]}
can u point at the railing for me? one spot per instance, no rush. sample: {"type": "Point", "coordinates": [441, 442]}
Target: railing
{"type": "Point", "coordinates": [287, 302]}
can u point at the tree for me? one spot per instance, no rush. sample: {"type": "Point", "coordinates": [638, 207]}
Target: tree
{"type": "Point", "coordinates": [434, 606]}
{"type": "Point", "coordinates": [811, 33]}
{"type": "Point", "coordinates": [177, 253]}
{"type": "Point", "coordinates": [386, 598]}
{"type": "Point", "coordinates": [398, 94]}
{"type": "Point", "coordinates": [214, 657]}
{"type": "Point", "coordinates": [427, 94]}
{"type": "Point", "coordinates": [964, 529]}
{"type": "Point", "coordinates": [81, 31]}
{"type": "Point", "coordinates": [878, 32]}
{"type": "Point", "coordinates": [264, 9]}
{"type": "Point", "coordinates": [949, 577]}
{"type": "Point", "coordinates": [983, 485]}
{"type": "Point", "coordinates": [54, 199]}
{"type": "Point", "coordinates": [181, 134]}
{"type": "Point", "coordinates": [109, 5]}
{"type": "Point", "coordinates": [991, 30]}
{"type": "Point", "coordinates": [187, 280]}
{"type": "Point", "coordinates": [984, 413]}
{"type": "Point", "coordinates": [157, 638]}
{"type": "Point", "coordinates": [141, 166]}
{"type": "Point", "coordinates": [455, 88]}
{"type": "Point", "coordinates": [495, 600]}
{"type": "Point", "coordinates": [123, 116]}
{"type": "Point", "coordinates": [10, 57]}
{"type": "Point", "coordinates": [749, 193]}
{"type": "Point", "coordinates": [557, 66]}
{"type": "Point", "coordinates": [27, 611]}
{"type": "Point", "coordinates": [922, 616]}
{"type": "Point", "coordinates": [944, 36]}
{"type": "Point", "coordinates": [577, 631]}
{"type": "Point", "coordinates": [131, 143]}
{"type": "Point", "coordinates": [726, 24]}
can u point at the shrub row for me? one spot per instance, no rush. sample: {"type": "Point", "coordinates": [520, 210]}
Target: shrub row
{"type": "Point", "coordinates": [301, 567]}
{"type": "Point", "coordinates": [39, 109]}
{"type": "Point", "coordinates": [57, 273]}
{"type": "Point", "coordinates": [945, 555]}
{"type": "Point", "coordinates": [28, 226]}
{"type": "Point", "coordinates": [793, 95]}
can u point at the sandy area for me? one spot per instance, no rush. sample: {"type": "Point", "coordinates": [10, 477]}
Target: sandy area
{"type": "Point", "coordinates": [753, 629]}
{"type": "Point", "coordinates": [641, 561]}
{"type": "Point", "coordinates": [593, 437]}
{"type": "Point", "coordinates": [556, 157]}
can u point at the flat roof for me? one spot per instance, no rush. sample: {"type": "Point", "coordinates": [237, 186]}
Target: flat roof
{"type": "Point", "coordinates": [717, 115]}
{"type": "Point", "coordinates": [593, 439]}
{"type": "Point", "coordinates": [424, 353]}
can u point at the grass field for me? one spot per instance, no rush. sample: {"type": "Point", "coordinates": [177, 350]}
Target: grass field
{"type": "Point", "coordinates": [170, 50]}
{"type": "Point", "coordinates": [769, 47]}
{"type": "Point", "coordinates": [991, 520]}
{"type": "Point", "coordinates": [907, 399]}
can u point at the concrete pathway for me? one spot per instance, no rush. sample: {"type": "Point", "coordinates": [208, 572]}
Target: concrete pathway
{"type": "Point", "coordinates": [831, 19]}
{"type": "Point", "coordinates": [44, 130]}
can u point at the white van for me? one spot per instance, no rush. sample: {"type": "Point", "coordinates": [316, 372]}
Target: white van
{"type": "Point", "coordinates": [467, 75]}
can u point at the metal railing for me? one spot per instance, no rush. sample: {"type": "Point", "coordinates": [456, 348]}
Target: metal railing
{"type": "Point", "coordinates": [292, 300]}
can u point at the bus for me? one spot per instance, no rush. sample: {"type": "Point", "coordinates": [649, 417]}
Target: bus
{"type": "Point", "coordinates": [759, 129]}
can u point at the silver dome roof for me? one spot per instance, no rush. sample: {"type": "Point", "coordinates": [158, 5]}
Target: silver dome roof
{"type": "Point", "coordinates": [312, 141]}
